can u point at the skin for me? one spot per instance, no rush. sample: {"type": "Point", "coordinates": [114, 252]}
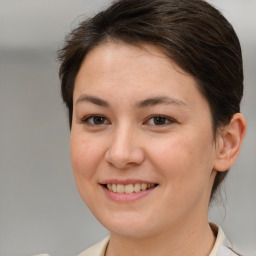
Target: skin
{"type": "Point", "coordinates": [178, 153]}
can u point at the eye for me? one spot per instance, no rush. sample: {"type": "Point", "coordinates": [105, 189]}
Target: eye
{"type": "Point", "coordinates": [95, 120]}
{"type": "Point", "coordinates": [159, 120]}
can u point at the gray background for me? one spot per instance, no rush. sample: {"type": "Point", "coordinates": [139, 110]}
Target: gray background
{"type": "Point", "coordinates": [40, 209]}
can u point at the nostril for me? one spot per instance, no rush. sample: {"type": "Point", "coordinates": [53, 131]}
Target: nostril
{"type": "Point", "coordinates": [122, 158]}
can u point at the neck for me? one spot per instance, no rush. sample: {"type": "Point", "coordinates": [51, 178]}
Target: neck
{"type": "Point", "coordinates": [192, 240]}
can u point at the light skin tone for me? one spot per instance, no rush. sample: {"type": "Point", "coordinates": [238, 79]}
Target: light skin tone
{"type": "Point", "coordinates": [139, 118]}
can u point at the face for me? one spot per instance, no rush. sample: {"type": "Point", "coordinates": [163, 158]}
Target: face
{"type": "Point", "coordinates": [142, 146]}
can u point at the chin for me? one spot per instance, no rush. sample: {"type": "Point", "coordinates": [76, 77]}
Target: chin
{"type": "Point", "coordinates": [132, 226]}
{"type": "Point", "coordinates": [130, 231]}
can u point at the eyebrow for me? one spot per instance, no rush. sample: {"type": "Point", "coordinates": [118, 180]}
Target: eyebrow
{"type": "Point", "coordinates": [92, 99]}
{"type": "Point", "coordinates": [162, 100]}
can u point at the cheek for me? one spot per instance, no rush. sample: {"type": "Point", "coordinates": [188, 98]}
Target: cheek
{"type": "Point", "coordinates": [84, 154]}
{"type": "Point", "coordinates": [184, 160]}
{"type": "Point", "coordinates": [85, 158]}
{"type": "Point", "coordinates": [172, 154]}
{"type": "Point", "coordinates": [186, 173]}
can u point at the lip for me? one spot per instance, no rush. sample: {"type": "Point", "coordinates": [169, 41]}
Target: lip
{"type": "Point", "coordinates": [123, 197]}
{"type": "Point", "coordinates": [125, 182]}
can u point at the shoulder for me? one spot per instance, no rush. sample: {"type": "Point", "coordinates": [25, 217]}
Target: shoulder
{"type": "Point", "coordinates": [97, 249]}
{"type": "Point", "coordinates": [222, 246]}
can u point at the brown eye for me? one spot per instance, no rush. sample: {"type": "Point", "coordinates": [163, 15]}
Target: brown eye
{"type": "Point", "coordinates": [98, 120]}
{"type": "Point", "coordinates": [159, 121]}
{"type": "Point", "coordinates": [95, 120]}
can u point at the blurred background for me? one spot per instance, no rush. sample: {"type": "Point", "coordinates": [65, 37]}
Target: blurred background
{"type": "Point", "coordinates": [40, 209]}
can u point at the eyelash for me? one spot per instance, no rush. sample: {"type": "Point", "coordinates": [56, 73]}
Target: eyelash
{"type": "Point", "coordinates": [87, 119]}
{"type": "Point", "coordinates": [160, 118]}
{"type": "Point", "coordinates": [155, 118]}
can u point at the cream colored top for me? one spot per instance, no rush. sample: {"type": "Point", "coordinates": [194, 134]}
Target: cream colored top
{"type": "Point", "coordinates": [222, 246]}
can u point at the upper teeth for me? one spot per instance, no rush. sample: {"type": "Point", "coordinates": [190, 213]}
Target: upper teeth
{"type": "Point", "coordinates": [129, 188]}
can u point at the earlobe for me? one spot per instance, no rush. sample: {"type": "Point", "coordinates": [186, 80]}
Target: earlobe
{"type": "Point", "coordinates": [229, 142]}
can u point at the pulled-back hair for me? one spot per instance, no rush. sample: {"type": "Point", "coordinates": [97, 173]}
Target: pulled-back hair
{"type": "Point", "coordinates": [192, 33]}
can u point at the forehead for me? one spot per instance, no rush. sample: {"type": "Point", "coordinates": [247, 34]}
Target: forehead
{"type": "Point", "coordinates": [115, 66]}
{"type": "Point", "coordinates": [119, 58]}
{"type": "Point", "coordinates": [116, 52]}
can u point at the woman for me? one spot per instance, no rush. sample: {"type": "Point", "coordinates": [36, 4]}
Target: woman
{"type": "Point", "coordinates": [153, 90]}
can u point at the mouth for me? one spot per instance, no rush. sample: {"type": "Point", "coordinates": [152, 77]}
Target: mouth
{"type": "Point", "coordinates": [129, 188]}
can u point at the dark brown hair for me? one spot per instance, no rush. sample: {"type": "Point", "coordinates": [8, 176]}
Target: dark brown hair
{"type": "Point", "coordinates": [190, 32]}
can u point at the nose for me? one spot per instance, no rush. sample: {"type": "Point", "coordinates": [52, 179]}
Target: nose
{"type": "Point", "coordinates": [125, 150]}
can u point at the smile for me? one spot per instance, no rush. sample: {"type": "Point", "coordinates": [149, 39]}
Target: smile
{"type": "Point", "coordinates": [129, 188]}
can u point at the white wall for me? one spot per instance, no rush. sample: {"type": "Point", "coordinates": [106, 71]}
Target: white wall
{"type": "Point", "coordinates": [40, 209]}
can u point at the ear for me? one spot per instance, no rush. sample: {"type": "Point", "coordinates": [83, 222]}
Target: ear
{"type": "Point", "coordinates": [228, 142]}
